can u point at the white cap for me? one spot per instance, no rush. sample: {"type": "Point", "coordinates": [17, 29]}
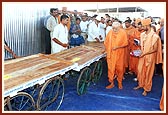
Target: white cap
{"type": "Point", "coordinates": [98, 18]}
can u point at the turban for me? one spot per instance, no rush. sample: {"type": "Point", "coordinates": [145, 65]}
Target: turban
{"type": "Point", "coordinates": [98, 18]}
{"type": "Point", "coordinates": [146, 22]}
{"type": "Point", "coordinates": [138, 20]}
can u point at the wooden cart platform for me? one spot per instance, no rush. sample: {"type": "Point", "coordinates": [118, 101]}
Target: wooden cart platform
{"type": "Point", "coordinates": [27, 71]}
{"type": "Point", "coordinates": [44, 73]}
{"type": "Point", "coordinates": [82, 55]}
{"type": "Point", "coordinates": [96, 45]}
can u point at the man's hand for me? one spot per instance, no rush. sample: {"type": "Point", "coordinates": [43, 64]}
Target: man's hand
{"type": "Point", "coordinates": [103, 51]}
{"type": "Point", "coordinates": [142, 55]}
{"type": "Point", "coordinates": [15, 56]}
{"type": "Point", "coordinates": [65, 45]}
{"type": "Point", "coordinates": [100, 37]}
{"type": "Point", "coordinates": [97, 40]}
{"type": "Point", "coordinates": [78, 30]}
{"type": "Point", "coordinates": [114, 48]}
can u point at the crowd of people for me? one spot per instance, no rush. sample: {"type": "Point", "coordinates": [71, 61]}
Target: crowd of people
{"type": "Point", "coordinates": [81, 28]}
{"type": "Point", "coordinates": [134, 46]}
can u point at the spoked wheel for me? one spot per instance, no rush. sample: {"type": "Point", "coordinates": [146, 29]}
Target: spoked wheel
{"type": "Point", "coordinates": [21, 102]}
{"type": "Point", "coordinates": [51, 94]}
{"type": "Point", "coordinates": [97, 71]}
{"type": "Point", "coordinates": [83, 81]}
{"type": "Point", "coordinates": [5, 104]}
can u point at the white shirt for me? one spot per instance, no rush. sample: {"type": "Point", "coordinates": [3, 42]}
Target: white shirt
{"type": "Point", "coordinates": [51, 23]}
{"type": "Point", "coordinates": [157, 27]}
{"type": "Point", "coordinates": [102, 30]}
{"type": "Point", "coordinates": [60, 33]}
{"type": "Point", "coordinates": [93, 32]}
{"type": "Point", "coordinates": [45, 20]}
{"type": "Point", "coordinates": [108, 29]}
{"type": "Point", "coordinates": [90, 21]}
{"type": "Point", "coordinates": [83, 26]}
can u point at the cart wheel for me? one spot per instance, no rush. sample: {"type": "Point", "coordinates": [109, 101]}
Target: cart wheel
{"type": "Point", "coordinates": [51, 94]}
{"type": "Point", "coordinates": [97, 71]}
{"type": "Point", "coordinates": [83, 81]}
{"type": "Point", "coordinates": [5, 104]}
{"type": "Point", "coordinates": [21, 102]}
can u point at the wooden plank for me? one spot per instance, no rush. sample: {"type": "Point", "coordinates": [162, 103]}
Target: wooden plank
{"type": "Point", "coordinates": [30, 68]}
{"type": "Point", "coordinates": [79, 54]}
{"type": "Point", "coordinates": [23, 64]}
{"type": "Point", "coordinates": [95, 45]}
{"type": "Point", "coordinates": [33, 74]}
{"type": "Point", "coordinates": [23, 58]}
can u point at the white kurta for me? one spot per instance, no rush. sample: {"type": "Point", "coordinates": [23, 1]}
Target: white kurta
{"type": "Point", "coordinates": [108, 29]}
{"type": "Point", "coordinates": [84, 29]}
{"type": "Point", "coordinates": [83, 26]}
{"type": "Point", "coordinates": [102, 30]}
{"type": "Point", "coordinates": [93, 32]}
{"type": "Point", "coordinates": [60, 33]}
{"type": "Point", "coordinates": [51, 23]}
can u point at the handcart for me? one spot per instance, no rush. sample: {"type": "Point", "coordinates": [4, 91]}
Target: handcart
{"type": "Point", "coordinates": [34, 83]}
{"type": "Point", "coordinates": [89, 63]}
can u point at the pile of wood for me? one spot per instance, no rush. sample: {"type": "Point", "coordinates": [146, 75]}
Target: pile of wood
{"type": "Point", "coordinates": [79, 54]}
{"type": "Point", "coordinates": [22, 70]}
{"type": "Point", "coordinates": [96, 45]}
{"type": "Point", "coordinates": [31, 68]}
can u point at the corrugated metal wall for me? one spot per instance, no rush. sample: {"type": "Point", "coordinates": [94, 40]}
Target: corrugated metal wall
{"type": "Point", "coordinates": [23, 28]}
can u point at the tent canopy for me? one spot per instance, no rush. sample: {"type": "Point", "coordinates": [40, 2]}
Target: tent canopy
{"type": "Point", "coordinates": [122, 9]}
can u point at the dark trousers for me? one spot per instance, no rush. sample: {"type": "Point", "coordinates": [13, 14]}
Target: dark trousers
{"type": "Point", "coordinates": [47, 42]}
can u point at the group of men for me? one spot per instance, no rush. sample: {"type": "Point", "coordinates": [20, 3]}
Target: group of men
{"type": "Point", "coordinates": [136, 50]}
{"type": "Point", "coordinates": [120, 42]}
{"type": "Point", "coordinates": [92, 29]}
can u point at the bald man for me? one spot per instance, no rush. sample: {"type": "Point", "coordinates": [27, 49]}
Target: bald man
{"type": "Point", "coordinates": [115, 42]}
{"type": "Point", "coordinates": [151, 54]}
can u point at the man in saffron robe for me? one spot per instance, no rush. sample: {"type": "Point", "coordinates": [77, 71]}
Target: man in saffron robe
{"type": "Point", "coordinates": [162, 97]}
{"type": "Point", "coordinates": [151, 54]}
{"type": "Point", "coordinates": [135, 60]}
{"type": "Point", "coordinates": [132, 34]}
{"type": "Point", "coordinates": [115, 42]}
